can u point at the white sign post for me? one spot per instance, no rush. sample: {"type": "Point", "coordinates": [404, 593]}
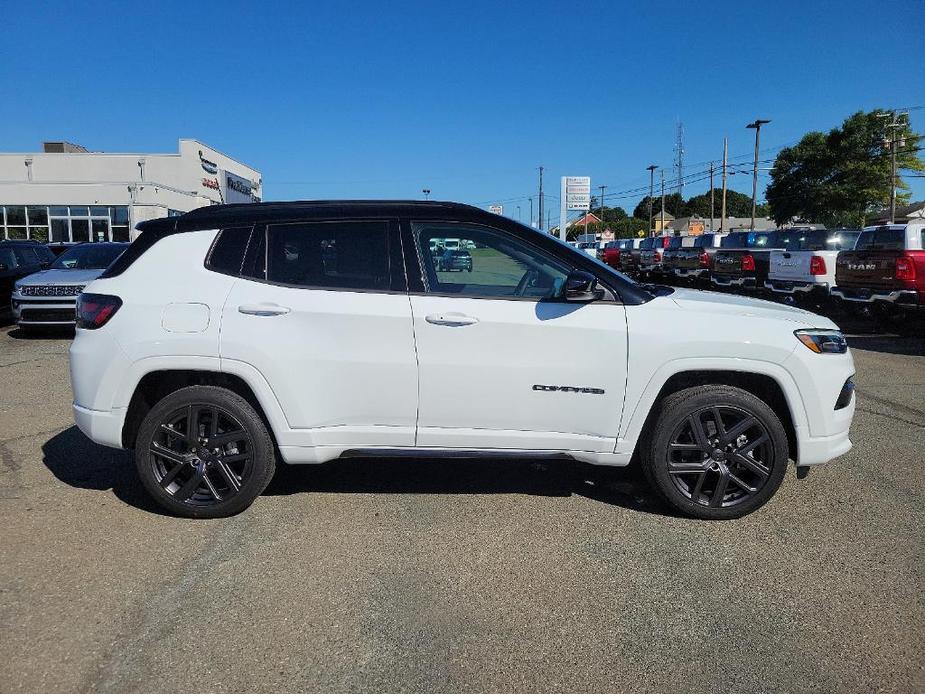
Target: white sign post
{"type": "Point", "coordinates": [575, 195]}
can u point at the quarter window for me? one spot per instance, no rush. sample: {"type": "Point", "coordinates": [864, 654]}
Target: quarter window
{"type": "Point", "coordinates": [329, 255]}
{"type": "Point", "coordinates": [228, 252]}
{"type": "Point", "coordinates": [469, 260]}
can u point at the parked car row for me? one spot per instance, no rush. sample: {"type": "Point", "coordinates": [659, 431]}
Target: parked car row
{"type": "Point", "coordinates": [879, 271]}
{"type": "Point", "coordinates": [39, 284]}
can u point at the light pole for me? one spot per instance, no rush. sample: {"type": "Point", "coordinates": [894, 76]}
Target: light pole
{"type": "Point", "coordinates": [518, 213]}
{"type": "Point", "coordinates": [662, 213]}
{"type": "Point", "coordinates": [426, 192]}
{"type": "Point", "coordinates": [541, 198]}
{"type": "Point", "coordinates": [531, 211]}
{"type": "Point", "coordinates": [757, 128]}
{"type": "Point", "coordinates": [651, 169]}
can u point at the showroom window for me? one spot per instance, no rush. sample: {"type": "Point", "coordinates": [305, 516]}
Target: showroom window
{"type": "Point", "coordinates": [65, 223]}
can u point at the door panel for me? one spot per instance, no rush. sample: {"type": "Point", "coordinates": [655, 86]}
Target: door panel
{"type": "Point", "coordinates": [485, 383]}
{"type": "Point", "coordinates": [340, 361]}
{"type": "Point", "coordinates": [502, 364]}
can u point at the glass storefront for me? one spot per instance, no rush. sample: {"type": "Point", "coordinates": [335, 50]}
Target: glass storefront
{"type": "Point", "coordinates": [65, 223]}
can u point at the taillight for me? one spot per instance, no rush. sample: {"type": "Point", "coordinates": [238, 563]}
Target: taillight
{"type": "Point", "coordinates": [658, 257]}
{"type": "Point", "coordinates": [748, 263]}
{"type": "Point", "coordinates": [817, 265]}
{"type": "Point", "coordinates": [704, 259]}
{"type": "Point", "coordinates": [95, 310]}
{"type": "Point", "coordinates": [905, 268]}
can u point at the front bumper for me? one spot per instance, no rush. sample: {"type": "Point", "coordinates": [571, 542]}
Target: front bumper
{"type": "Point", "coordinates": [38, 310]}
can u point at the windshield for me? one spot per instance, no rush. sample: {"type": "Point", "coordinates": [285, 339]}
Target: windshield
{"type": "Point", "coordinates": [89, 256]}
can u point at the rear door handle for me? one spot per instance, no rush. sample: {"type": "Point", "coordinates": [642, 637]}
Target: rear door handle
{"type": "Point", "coordinates": [451, 318]}
{"type": "Point", "coordinates": [263, 310]}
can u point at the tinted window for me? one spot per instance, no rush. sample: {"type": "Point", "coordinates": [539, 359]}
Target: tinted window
{"type": "Point", "coordinates": [95, 256]}
{"type": "Point", "coordinates": [705, 241]}
{"type": "Point", "coordinates": [751, 239]}
{"type": "Point", "coordinates": [335, 255]}
{"type": "Point", "coordinates": [674, 243]}
{"type": "Point", "coordinates": [882, 239]}
{"type": "Point", "coordinates": [647, 243]}
{"type": "Point", "coordinates": [822, 240]}
{"type": "Point", "coordinates": [228, 251]}
{"type": "Point", "coordinates": [8, 258]}
{"type": "Point", "coordinates": [502, 265]}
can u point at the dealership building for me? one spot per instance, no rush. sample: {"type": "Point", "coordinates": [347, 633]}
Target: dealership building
{"type": "Point", "coordinates": [66, 193]}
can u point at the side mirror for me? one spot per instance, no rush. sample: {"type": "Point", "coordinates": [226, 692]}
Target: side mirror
{"type": "Point", "coordinates": [581, 286]}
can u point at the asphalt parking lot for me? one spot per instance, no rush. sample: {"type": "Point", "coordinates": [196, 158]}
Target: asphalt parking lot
{"type": "Point", "coordinates": [465, 576]}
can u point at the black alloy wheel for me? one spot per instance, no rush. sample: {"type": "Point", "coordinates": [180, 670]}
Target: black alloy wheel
{"type": "Point", "coordinates": [717, 456]}
{"type": "Point", "coordinates": [715, 452]}
{"type": "Point", "coordinates": [201, 454]}
{"type": "Point", "coordinates": [204, 452]}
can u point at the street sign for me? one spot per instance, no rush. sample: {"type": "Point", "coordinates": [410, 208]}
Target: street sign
{"type": "Point", "coordinates": [496, 209]}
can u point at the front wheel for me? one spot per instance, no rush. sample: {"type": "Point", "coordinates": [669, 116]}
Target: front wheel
{"type": "Point", "coordinates": [716, 452]}
{"type": "Point", "coordinates": [204, 452]}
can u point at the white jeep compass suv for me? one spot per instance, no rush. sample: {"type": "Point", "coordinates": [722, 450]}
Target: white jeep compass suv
{"type": "Point", "coordinates": [311, 331]}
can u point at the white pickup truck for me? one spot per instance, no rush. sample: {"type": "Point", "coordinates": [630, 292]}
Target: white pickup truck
{"type": "Point", "coordinates": [805, 270]}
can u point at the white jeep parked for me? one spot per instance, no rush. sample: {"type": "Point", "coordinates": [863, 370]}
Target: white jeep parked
{"type": "Point", "coordinates": [234, 335]}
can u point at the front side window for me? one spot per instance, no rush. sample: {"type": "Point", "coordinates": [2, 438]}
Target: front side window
{"type": "Point", "coordinates": [329, 255]}
{"type": "Point", "coordinates": [485, 263]}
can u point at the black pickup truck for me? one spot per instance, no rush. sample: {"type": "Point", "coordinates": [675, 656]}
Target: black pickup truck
{"type": "Point", "coordinates": [744, 258]}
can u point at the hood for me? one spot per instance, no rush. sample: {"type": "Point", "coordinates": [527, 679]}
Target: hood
{"type": "Point", "coordinates": [735, 305]}
{"type": "Point", "coordinates": [61, 277]}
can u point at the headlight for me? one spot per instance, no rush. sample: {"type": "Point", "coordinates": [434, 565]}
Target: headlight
{"type": "Point", "coordinates": [823, 341]}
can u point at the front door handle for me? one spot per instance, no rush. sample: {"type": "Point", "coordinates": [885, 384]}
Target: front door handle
{"type": "Point", "coordinates": [263, 309]}
{"type": "Point", "coordinates": [451, 318]}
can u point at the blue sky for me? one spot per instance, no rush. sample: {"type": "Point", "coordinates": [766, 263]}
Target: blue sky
{"type": "Point", "coordinates": [380, 100]}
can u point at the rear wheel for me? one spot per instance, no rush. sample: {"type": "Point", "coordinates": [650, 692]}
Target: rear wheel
{"type": "Point", "coordinates": [716, 452]}
{"type": "Point", "coordinates": [204, 452]}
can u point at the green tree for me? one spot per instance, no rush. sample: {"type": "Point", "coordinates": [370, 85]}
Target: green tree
{"type": "Point", "coordinates": [842, 176]}
{"type": "Point", "coordinates": [674, 205]}
{"type": "Point", "coordinates": [737, 205]}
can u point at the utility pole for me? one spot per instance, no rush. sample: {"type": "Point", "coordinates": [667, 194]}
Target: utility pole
{"type": "Point", "coordinates": [712, 207]}
{"type": "Point", "coordinates": [662, 213]}
{"type": "Point", "coordinates": [757, 128]}
{"type": "Point", "coordinates": [679, 159]}
{"type": "Point", "coordinates": [892, 140]}
{"type": "Point", "coordinates": [531, 211]}
{"type": "Point", "coordinates": [602, 206]}
{"type": "Point", "coordinates": [541, 198]}
{"type": "Point", "coordinates": [651, 169]}
{"type": "Point", "coordinates": [722, 219]}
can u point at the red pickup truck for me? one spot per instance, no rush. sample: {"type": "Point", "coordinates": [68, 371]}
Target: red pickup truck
{"type": "Point", "coordinates": [885, 271]}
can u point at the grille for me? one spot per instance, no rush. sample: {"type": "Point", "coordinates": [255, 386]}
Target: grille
{"type": "Point", "coordinates": [48, 315]}
{"type": "Point", "coordinates": [51, 290]}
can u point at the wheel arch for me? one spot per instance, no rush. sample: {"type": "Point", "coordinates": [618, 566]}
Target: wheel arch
{"type": "Point", "coordinates": [766, 381]}
{"type": "Point", "coordinates": [154, 385]}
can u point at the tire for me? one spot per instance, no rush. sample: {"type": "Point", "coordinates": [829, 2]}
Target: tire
{"type": "Point", "coordinates": [231, 473]}
{"type": "Point", "coordinates": [675, 463]}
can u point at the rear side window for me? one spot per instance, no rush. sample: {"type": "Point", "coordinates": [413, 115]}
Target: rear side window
{"type": "Point", "coordinates": [329, 255]}
{"type": "Point", "coordinates": [227, 254]}
{"type": "Point", "coordinates": [882, 240]}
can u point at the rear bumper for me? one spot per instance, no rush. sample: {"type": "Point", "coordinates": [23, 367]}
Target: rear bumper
{"type": "Point", "coordinates": [795, 287]}
{"type": "Point", "coordinates": [104, 428]}
{"type": "Point", "coordinates": [905, 297]}
{"type": "Point", "coordinates": [695, 272]}
{"type": "Point", "coordinates": [727, 281]}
